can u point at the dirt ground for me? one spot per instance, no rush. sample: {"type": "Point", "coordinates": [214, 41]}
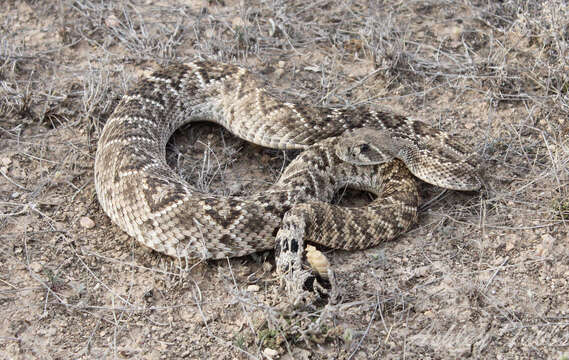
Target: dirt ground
{"type": "Point", "coordinates": [481, 275]}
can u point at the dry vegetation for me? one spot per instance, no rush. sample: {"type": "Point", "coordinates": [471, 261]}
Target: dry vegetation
{"type": "Point", "coordinates": [484, 275]}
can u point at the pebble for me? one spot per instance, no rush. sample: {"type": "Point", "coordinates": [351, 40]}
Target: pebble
{"type": "Point", "coordinates": [546, 245]}
{"type": "Point", "coordinates": [86, 223]}
{"type": "Point", "coordinates": [6, 161]}
{"type": "Point", "coordinates": [511, 242]}
{"type": "Point", "coordinates": [270, 353]}
{"type": "Point", "coordinates": [35, 267]}
{"type": "Point", "coordinates": [253, 288]}
{"type": "Point", "coordinates": [112, 21]}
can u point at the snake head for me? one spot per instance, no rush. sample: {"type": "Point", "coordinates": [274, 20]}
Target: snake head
{"type": "Point", "coordinates": [432, 157]}
{"type": "Point", "coordinates": [366, 147]}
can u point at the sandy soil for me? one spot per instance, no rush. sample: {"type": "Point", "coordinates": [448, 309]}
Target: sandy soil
{"type": "Point", "coordinates": [482, 275]}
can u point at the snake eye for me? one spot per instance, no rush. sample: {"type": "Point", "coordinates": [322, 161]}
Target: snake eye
{"type": "Point", "coordinates": [364, 147]}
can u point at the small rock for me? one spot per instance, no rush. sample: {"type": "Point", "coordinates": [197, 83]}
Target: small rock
{"type": "Point", "coordinates": [540, 251]}
{"type": "Point", "coordinates": [469, 125]}
{"type": "Point", "coordinates": [235, 188]}
{"type": "Point", "coordinates": [6, 161]}
{"type": "Point", "coordinates": [238, 22]}
{"type": "Point", "coordinates": [59, 226]}
{"type": "Point", "coordinates": [52, 331]}
{"type": "Point", "coordinates": [547, 240]}
{"type": "Point", "coordinates": [112, 21]}
{"type": "Point", "coordinates": [209, 34]}
{"type": "Point", "coordinates": [270, 353]}
{"type": "Point", "coordinates": [86, 223]}
{"type": "Point", "coordinates": [511, 242]}
{"type": "Point", "coordinates": [35, 267]}
{"type": "Point", "coordinates": [279, 73]}
{"type": "Point", "coordinates": [546, 245]}
{"type": "Point", "coordinates": [253, 288]}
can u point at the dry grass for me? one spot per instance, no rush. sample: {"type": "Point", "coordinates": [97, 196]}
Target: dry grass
{"type": "Point", "coordinates": [482, 275]}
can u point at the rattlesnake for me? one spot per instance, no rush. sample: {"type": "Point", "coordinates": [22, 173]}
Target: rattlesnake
{"type": "Point", "coordinates": [152, 203]}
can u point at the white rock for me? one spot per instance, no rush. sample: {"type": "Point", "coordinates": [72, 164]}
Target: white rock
{"type": "Point", "coordinates": [253, 288]}
{"type": "Point", "coordinates": [86, 223]}
{"type": "Point", "coordinates": [270, 353]}
{"type": "Point", "coordinates": [6, 161]}
{"type": "Point", "coordinates": [35, 267]}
